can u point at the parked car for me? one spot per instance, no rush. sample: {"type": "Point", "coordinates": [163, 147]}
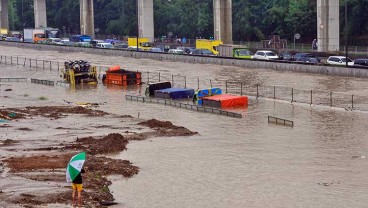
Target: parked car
{"type": "Point", "coordinates": [203, 52]}
{"type": "Point", "coordinates": [155, 50]}
{"type": "Point", "coordinates": [189, 50]}
{"type": "Point", "coordinates": [104, 45]}
{"type": "Point", "coordinates": [54, 41]}
{"type": "Point", "coordinates": [362, 62]}
{"type": "Point", "coordinates": [94, 42]}
{"type": "Point", "coordinates": [265, 55]}
{"type": "Point", "coordinates": [121, 45]}
{"type": "Point", "coordinates": [339, 60]}
{"type": "Point", "coordinates": [312, 60]}
{"type": "Point", "coordinates": [176, 51]}
{"type": "Point", "coordinates": [65, 42]}
{"type": "Point", "coordinates": [299, 56]}
{"type": "Point", "coordinates": [12, 39]}
{"type": "Point", "coordinates": [285, 56]}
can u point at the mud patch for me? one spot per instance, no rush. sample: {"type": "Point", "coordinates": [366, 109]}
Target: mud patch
{"type": "Point", "coordinates": [24, 129]}
{"type": "Point", "coordinates": [112, 143]}
{"type": "Point", "coordinates": [8, 142]}
{"type": "Point", "coordinates": [165, 128]}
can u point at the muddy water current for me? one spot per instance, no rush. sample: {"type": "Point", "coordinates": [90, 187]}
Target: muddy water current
{"type": "Point", "coordinates": [320, 162]}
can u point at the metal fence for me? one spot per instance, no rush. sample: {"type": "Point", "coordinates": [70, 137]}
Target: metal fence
{"type": "Point", "coordinates": [293, 95]}
{"type": "Point", "coordinates": [184, 105]}
{"type": "Point", "coordinates": [43, 82]}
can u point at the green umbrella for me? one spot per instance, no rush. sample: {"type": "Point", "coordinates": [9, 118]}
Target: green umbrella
{"type": "Point", "coordinates": [75, 166]}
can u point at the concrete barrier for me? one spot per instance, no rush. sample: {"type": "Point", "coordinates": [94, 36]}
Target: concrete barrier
{"type": "Point", "coordinates": [254, 64]}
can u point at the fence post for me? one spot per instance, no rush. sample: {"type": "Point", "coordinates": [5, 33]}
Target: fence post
{"type": "Point", "coordinates": [352, 102]}
{"type": "Point", "coordinates": [185, 82]}
{"type": "Point", "coordinates": [17, 60]}
{"type": "Point", "coordinates": [198, 83]}
{"type": "Point", "coordinates": [36, 64]}
{"type": "Point", "coordinates": [211, 83]}
{"type": "Point", "coordinates": [311, 97]}
{"type": "Point", "coordinates": [11, 60]}
{"type": "Point", "coordinates": [159, 76]}
{"type": "Point", "coordinates": [58, 66]}
{"type": "Point", "coordinates": [241, 88]}
{"type": "Point", "coordinates": [148, 77]}
{"type": "Point", "coordinates": [292, 95]}
{"type": "Point", "coordinates": [172, 79]}
{"type": "Point", "coordinates": [226, 86]}
{"type": "Point", "coordinates": [50, 66]}
{"type": "Point", "coordinates": [30, 63]}
{"type": "Point", "coordinates": [43, 64]}
{"type": "Point", "coordinates": [257, 92]}
{"type": "Point", "coordinates": [330, 99]}
{"type": "Point", "coordinates": [5, 60]}
{"type": "Point", "coordinates": [274, 92]}
{"type": "Point", "coordinates": [25, 60]}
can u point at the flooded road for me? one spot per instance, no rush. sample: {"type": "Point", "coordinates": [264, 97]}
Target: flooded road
{"type": "Point", "coordinates": [320, 162]}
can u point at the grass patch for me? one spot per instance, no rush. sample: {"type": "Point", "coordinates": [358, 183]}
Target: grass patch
{"type": "Point", "coordinates": [42, 98]}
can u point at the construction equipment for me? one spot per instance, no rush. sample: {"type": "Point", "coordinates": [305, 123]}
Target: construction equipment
{"type": "Point", "coordinates": [79, 72]}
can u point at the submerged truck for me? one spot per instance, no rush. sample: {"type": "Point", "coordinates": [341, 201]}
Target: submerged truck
{"type": "Point", "coordinates": [208, 44]}
{"type": "Point", "coordinates": [144, 43]}
{"type": "Point", "coordinates": [236, 51]}
{"type": "Point", "coordinates": [32, 35]}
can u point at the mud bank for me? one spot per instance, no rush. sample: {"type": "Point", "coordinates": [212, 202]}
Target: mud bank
{"type": "Point", "coordinates": [41, 163]}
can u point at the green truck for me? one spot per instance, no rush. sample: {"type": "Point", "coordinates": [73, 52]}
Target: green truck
{"type": "Point", "coordinates": [236, 51]}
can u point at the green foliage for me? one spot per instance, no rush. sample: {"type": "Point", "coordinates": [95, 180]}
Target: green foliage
{"type": "Point", "coordinates": [253, 20]}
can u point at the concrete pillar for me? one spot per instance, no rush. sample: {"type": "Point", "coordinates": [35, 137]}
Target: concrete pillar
{"type": "Point", "coordinates": [222, 15]}
{"type": "Point", "coordinates": [87, 24]}
{"type": "Point", "coordinates": [328, 29]}
{"type": "Point", "coordinates": [4, 16]}
{"type": "Point", "coordinates": [145, 19]}
{"type": "Point", "coordinates": [40, 13]}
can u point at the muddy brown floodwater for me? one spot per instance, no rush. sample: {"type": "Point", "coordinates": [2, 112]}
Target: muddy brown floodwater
{"type": "Point", "coordinates": [319, 162]}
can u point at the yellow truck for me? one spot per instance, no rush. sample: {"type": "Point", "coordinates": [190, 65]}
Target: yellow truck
{"type": "Point", "coordinates": [144, 43]}
{"type": "Point", "coordinates": [208, 44]}
{"type": "Point", "coordinates": [3, 33]}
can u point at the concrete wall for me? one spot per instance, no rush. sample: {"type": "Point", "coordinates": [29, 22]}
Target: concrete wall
{"type": "Point", "coordinates": [4, 16]}
{"type": "Point", "coordinates": [145, 19]}
{"type": "Point", "coordinates": [328, 28]}
{"type": "Point", "coordinates": [222, 20]}
{"type": "Point", "coordinates": [40, 13]}
{"type": "Point", "coordinates": [87, 25]}
{"type": "Point", "coordinates": [306, 68]}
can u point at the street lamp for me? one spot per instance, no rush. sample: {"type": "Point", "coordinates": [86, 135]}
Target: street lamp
{"type": "Point", "coordinates": [346, 32]}
{"type": "Point", "coordinates": [137, 25]}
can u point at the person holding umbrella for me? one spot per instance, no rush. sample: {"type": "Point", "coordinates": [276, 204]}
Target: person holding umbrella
{"type": "Point", "coordinates": [73, 174]}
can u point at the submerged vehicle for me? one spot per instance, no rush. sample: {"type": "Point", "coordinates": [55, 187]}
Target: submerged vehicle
{"type": "Point", "coordinates": [79, 72]}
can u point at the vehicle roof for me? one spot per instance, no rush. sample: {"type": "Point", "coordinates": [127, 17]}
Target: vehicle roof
{"type": "Point", "coordinates": [337, 57]}
{"type": "Point", "coordinates": [265, 51]}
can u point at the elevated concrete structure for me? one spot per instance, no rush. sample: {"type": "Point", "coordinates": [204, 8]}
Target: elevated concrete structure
{"type": "Point", "coordinates": [4, 16]}
{"type": "Point", "coordinates": [40, 13]}
{"type": "Point", "coordinates": [145, 19]}
{"type": "Point", "coordinates": [222, 16]}
{"type": "Point", "coordinates": [328, 29]}
{"type": "Point", "coordinates": [87, 25]}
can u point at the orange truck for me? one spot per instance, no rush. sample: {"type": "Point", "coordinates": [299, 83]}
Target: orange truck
{"type": "Point", "coordinates": [32, 35]}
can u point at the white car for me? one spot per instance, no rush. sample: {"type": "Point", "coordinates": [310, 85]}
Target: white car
{"type": "Point", "coordinates": [265, 55]}
{"type": "Point", "coordinates": [339, 60]}
{"type": "Point", "coordinates": [176, 51]}
{"type": "Point", "coordinates": [104, 45]}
